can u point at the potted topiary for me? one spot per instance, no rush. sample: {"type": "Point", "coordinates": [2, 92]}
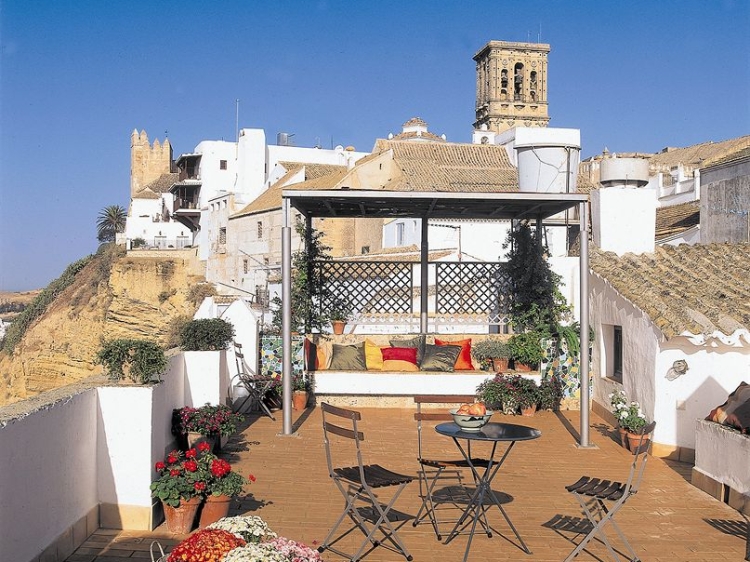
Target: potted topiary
{"type": "Point", "coordinates": [301, 387]}
{"type": "Point", "coordinates": [339, 314]}
{"type": "Point", "coordinates": [495, 350]}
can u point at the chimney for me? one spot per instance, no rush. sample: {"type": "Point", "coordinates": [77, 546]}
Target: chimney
{"type": "Point", "coordinates": [623, 211]}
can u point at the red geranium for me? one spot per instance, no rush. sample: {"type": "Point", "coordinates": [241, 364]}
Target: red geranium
{"type": "Point", "coordinates": [160, 466]}
{"type": "Point", "coordinates": [220, 468]}
{"type": "Point", "coordinates": [191, 454]}
{"type": "Point", "coordinates": [200, 486]}
{"type": "Point", "coordinates": [203, 447]}
{"type": "Point", "coordinates": [190, 466]}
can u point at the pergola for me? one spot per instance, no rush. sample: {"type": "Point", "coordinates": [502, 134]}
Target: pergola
{"type": "Point", "coordinates": [426, 205]}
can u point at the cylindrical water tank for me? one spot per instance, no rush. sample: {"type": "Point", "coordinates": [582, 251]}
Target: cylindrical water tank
{"type": "Point", "coordinates": [626, 172]}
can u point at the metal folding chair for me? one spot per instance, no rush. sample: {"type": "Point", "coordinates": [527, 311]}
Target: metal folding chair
{"type": "Point", "coordinates": [602, 499]}
{"type": "Point", "coordinates": [358, 484]}
{"type": "Point", "coordinates": [255, 385]}
{"type": "Point", "coordinates": [432, 470]}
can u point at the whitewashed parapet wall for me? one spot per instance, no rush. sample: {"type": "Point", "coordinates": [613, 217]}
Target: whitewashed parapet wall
{"type": "Point", "coordinates": [86, 459]}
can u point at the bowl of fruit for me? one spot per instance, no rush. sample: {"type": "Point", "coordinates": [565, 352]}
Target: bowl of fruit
{"type": "Point", "coordinates": [471, 417]}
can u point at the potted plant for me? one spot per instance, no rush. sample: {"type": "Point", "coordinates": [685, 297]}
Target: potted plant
{"type": "Point", "coordinates": [495, 350]}
{"type": "Point", "coordinates": [500, 393]}
{"type": "Point", "coordinates": [139, 360]}
{"type": "Point", "coordinates": [208, 423]}
{"type": "Point", "coordinates": [180, 487]}
{"type": "Point", "coordinates": [222, 484]}
{"type": "Point", "coordinates": [527, 396]}
{"type": "Point", "coordinates": [339, 312]}
{"type": "Point", "coordinates": [250, 528]}
{"type": "Point", "coordinates": [301, 387]}
{"type": "Point", "coordinates": [206, 334]}
{"type": "Point", "coordinates": [550, 393]}
{"type": "Point", "coordinates": [206, 544]}
{"type": "Point", "coordinates": [630, 418]}
{"type": "Point", "coordinates": [526, 350]}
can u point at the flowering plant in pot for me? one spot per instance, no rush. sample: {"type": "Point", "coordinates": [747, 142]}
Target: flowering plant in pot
{"type": "Point", "coordinates": [181, 476]}
{"type": "Point", "coordinates": [222, 484]}
{"type": "Point", "coordinates": [250, 528]}
{"type": "Point", "coordinates": [206, 544]}
{"type": "Point", "coordinates": [527, 395]}
{"type": "Point", "coordinates": [209, 420]}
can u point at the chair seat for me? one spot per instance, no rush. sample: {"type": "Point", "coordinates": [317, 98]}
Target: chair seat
{"type": "Point", "coordinates": [375, 475]}
{"type": "Point", "coordinates": [453, 463]}
{"type": "Point", "coordinates": [597, 488]}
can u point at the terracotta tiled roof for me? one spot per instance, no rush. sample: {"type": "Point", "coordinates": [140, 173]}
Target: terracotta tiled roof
{"type": "Point", "coordinates": [317, 176]}
{"type": "Point", "coordinates": [729, 158]}
{"type": "Point", "coordinates": [677, 218]}
{"type": "Point", "coordinates": [453, 167]}
{"type": "Point", "coordinates": [698, 289]}
{"type": "Point", "coordinates": [426, 135]}
{"type": "Point", "coordinates": [146, 193]}
{"type": "Point", "coordinates": [404, 253]}
{"type": "Point", "coordinates": [698, 155]}
{"type": "Point", "coordinates": [163, 183]}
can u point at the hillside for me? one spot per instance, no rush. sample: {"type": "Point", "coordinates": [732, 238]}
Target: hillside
{"type": "Point", "coordinates": [112, 296]}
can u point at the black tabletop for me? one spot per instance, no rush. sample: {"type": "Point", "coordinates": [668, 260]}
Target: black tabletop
{"type": "Point", "coordinates": [491, 432]}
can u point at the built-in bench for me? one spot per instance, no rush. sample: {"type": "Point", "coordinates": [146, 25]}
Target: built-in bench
{"type": "Point", "coordinates": [379, 388]}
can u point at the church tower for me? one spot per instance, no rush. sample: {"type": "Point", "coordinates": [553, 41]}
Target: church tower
{"type": "Point", "coordinates": [511, 85]}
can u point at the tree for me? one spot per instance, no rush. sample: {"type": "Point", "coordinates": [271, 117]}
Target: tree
{"type": "Point", "coordinates": [111, 220]}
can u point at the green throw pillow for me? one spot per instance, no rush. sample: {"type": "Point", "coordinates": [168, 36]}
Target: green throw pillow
{"type": "Point", "coordinates": [418, 342]}
{"type": "Point", "coordinates": [348, 358]}
{"type": "Point", "coordinates": [439, 357]}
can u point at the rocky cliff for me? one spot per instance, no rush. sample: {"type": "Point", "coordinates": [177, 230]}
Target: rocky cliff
{"type": "Point", "coordinates": [113, 296]}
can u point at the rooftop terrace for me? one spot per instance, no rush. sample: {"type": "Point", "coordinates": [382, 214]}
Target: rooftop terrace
{"type": "Point", "coordinates": [669, 519]}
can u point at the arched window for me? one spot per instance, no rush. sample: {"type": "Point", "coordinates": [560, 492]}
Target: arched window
{"type": "Point", "coordinates": [518, 81]}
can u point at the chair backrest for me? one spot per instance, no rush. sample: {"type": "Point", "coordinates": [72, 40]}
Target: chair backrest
{"type": "Point", "coordinates": [441, 414]}
{"type": "Point", "coordinates": [343, 423]}
{"type": "Point", "coordinates": [239, 357]}
{"type": "Point", "coordinates": [640, 456]}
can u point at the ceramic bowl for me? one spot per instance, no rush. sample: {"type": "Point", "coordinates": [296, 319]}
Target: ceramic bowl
{"type": "Point", "coordinates": [467, 422]}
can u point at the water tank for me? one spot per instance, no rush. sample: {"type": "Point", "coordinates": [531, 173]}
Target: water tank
{"type": "Point", "coordinates": [625, 172]}
{"type": "Point", "coordinates": [282, 139]}
{"type": "Point", "coordinates": [547, 159]}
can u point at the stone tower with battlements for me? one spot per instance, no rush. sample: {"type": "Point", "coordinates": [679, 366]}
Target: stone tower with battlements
{"type": "Point", "coordinates": [511, 85]}
{"type": "Point", "coordinates": [147, 162]}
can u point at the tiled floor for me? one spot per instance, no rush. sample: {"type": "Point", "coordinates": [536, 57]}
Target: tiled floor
{"type": "Point", "coordinates": [667, 521]}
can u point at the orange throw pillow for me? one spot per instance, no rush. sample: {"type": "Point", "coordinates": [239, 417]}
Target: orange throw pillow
{"type": "Point", "coordinates": [463, 361]}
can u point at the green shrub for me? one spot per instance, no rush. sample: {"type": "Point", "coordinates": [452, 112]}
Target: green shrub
{"type": "Point", "coordinates": [143, 360]}
{"type": "Point", "coordinates": [207, 334]}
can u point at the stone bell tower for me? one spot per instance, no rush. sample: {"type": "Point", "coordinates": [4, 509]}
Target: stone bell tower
{"type": "Point", "coordinates": [511, 85]}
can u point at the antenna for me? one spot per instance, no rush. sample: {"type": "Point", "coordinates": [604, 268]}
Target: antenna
{"type": "Point", "coordinates": [540, 33]}
{"type": "Point", "coordinates": [237, 119]}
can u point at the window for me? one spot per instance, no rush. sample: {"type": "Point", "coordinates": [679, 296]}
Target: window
{"type": "Point", "coordinates": [617, 353]}
{"type": "Point", "coordinates": [222, 164]}
{"type": "Point", "coordinates": [245, 266]}
{"type": "Point", "coordinates": [365, 250]}
{"type": "Point", "coordinates": [260, 230]}
{"type": "Point", "coordinates": [399, 234]}
{"type": "Point", "coordinates": [222, 235]}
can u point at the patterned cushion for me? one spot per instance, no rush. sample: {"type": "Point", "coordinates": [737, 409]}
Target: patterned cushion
{"type": "Point", "coordinates": [735, 412]}
{"type": "Point", "coordinates": [463, 362]}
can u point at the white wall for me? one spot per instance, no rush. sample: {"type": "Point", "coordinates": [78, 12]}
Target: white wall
{"type": "Point", "coordinates": [48, 467]}
{"type": "Point", "coordinates": [623, 219]}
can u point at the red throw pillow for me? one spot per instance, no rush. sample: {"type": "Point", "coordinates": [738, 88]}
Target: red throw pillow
{"type": "Point", "coordinates": [463, 361]}
{"type": "Point", "coordinates": [400, 354]}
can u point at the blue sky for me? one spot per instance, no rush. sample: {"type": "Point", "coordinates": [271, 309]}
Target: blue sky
{"type": "Point", "coordinates": [77, 77]}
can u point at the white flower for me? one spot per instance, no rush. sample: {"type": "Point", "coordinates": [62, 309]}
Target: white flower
{"type": "Point", "coordinates": [250, 528]}
{"type": "Point", "coordinates": [624, 414]}
{"type": "Point", "coordinates": [255, 553]}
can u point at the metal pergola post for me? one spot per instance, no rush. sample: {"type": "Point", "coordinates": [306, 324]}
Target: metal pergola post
{"type": "Point", "coordinates": [424, 256]}
{"type": "Point", "coordinates": [286, 316]}
{"type": "Point", "coordinates": [583, 262]}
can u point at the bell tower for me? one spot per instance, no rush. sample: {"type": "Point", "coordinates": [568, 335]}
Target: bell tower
{"type": "Point", "coordinates": [511, 85]}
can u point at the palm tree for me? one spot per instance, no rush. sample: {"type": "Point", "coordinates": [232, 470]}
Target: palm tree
{"type": "Point", "coordinates": [111, 221]}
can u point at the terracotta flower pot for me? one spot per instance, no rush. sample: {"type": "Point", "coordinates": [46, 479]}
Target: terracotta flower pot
{"type": "Point", "coordinates": [214, 508]}
{"type": "Point", "coordinates": [299, 399]}
{"type": "Point", "coordinates": [528, 410]}
{"type": "Point", "coordinates": [500, 365]}
{"type": "Point", "coordinates": [623, 438]}
{"type": "Point", "coordinates": [338, 327]}
{"type": "Point", "coordinates": [180, 519]}
{"type": "Point", "coordinates": [634, 439]}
